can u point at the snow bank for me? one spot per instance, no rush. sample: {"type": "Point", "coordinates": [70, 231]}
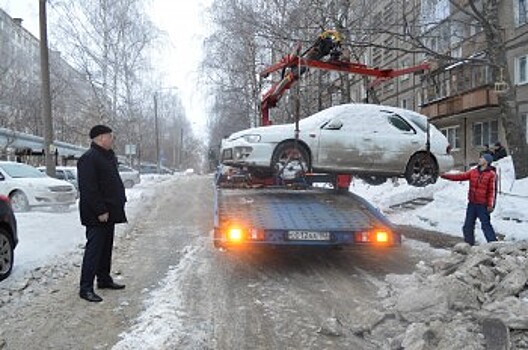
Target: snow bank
{"type": "Point", "coordinates": [446, 213]}
{"type": "Point", "coordinates": [448, 303]}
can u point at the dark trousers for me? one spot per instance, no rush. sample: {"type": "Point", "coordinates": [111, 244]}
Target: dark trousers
{"type": "Point", "coordinates": [97, 258]}
{"type": "Point", "coordinates": [473, 212]}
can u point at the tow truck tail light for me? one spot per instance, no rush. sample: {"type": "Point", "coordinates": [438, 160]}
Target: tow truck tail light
{"type": "Point", "coordinates": [382, 237]}
{"type": "Point", "coordinates": [235, 234]}
{"type": "Point", "coordinates": [373, 237]}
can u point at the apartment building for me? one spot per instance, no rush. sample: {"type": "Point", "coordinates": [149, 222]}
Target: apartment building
{"type": "Point", "coordinates": [20, 83]}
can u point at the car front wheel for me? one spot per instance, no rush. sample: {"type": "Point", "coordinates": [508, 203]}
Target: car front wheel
{"type": "Point", "coordinates": [290, 159]}
{"type": "Point", "coordinates": [421, 170]}
{"type": "Point", "coordinates": [19, 201]}
{"type": "Point", "coordinates": [6, 254]}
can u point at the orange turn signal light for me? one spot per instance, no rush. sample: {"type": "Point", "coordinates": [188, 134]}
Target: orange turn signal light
{"type": "Point", "coordinates": [382, 237]}
{"type": "Point", "coordinates": [235, 234]}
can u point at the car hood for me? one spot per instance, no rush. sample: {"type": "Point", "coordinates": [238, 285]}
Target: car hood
{"type": "Point", "coordinates": [263, 130]}
{"type": "Point", "coordinates": [40, 181]}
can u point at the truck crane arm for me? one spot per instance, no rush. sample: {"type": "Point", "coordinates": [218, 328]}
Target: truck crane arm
{"type": "Point", "coordinates": [296, 64]}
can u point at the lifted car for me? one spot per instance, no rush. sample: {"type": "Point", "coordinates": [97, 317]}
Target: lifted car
{"type": "Point", "coordinates": [370, 141]}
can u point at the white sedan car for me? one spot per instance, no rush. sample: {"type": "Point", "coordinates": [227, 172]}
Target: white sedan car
{"type": "Point", "coordinates": [371, 141]}
{"type": "Point", "coordinates": [27, 187]}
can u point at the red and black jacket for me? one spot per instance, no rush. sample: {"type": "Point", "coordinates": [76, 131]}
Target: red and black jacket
{"type": "Point", "coordinates": [482, 185]}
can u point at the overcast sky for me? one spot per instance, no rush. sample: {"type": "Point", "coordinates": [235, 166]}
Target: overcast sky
{"type": "Point", "coordinates": [183, 22]}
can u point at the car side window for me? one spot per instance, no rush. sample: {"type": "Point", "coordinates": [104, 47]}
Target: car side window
{"type": "Point", "coordinates": [2, 178]}
{"type": "Point", "coordinates": [400, 124]}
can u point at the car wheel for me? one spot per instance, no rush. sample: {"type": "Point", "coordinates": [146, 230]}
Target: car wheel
{"type": "Point", "coordinates": [373, 179]}
{"type": "Point", "coordinates": [421, 170]}
{"type": "Point", "coordinates": [129, 184]}
{"type": "Point", "coordinates": [290, 159]}
{"type": "Point", "coordinates": [6, 254]}
{"type": "Point", "coordinates": [19, 201]}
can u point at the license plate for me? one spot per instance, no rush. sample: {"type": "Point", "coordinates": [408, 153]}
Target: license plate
{"type": "Point", "coordinates": [64, 197]}
{"type": "Point", "coordinates": [308, 236]}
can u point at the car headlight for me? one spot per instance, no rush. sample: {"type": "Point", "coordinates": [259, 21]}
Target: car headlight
{"type": "Point", "coordinates": [251, 138]}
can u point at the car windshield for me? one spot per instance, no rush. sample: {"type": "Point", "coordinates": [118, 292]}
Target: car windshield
{"type": "Point", "coordinates": [17, 170]}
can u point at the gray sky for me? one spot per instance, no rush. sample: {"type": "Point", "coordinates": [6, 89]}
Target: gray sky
{"type": "Point", "coordinates": [183, 22]}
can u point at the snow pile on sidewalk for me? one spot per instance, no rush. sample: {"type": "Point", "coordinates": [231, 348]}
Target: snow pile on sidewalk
{"type": "Point", "coordinates": [446, 212]}
{"type": "Point", "coordinates": [51, 243]}
{"type": "Point", "coordinates": [445, 304]}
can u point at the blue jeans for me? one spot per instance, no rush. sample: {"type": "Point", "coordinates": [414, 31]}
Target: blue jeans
{"type": "Point", "coordinates": [473, 212]}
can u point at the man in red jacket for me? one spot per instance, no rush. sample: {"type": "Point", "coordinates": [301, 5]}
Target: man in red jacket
{"type": "Point", "coordinates": [481, 196]}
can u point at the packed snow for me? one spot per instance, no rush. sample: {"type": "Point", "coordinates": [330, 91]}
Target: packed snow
{"type": "Point", "coordinates": [48, 238]}
{"type": "Point", "coordinates": [446, 213]}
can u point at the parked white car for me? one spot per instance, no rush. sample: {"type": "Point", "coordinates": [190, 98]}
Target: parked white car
{"type": "Point", "coordinates": [66, 173]}
{"type": "Point", "coordinates": [129, 176]}
{"type": "Point", "coordinates": [27, 187]}
{"type": "Point", "coordinates": [371, 141]}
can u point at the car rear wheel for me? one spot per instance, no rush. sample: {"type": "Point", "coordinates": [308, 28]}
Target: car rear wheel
{"type": "Point", "coordinates": [6, 254]}
{"type": "Point", "coordinates": [19, 201]}
{"type": "Point", "coordinates": [421, 170]}
{"type": "Point", "coordinates": [290, 159]}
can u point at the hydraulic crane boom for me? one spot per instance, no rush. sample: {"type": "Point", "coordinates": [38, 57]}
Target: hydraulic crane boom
{"type": "Point", "coordinates": [296, 64]}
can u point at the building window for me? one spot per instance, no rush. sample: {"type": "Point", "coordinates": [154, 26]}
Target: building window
{"type": "Point", "coordinates": [521, 74]}
{"type": "Point", "coordinates": [520, 12]}
{"type": "Point", "coordinates": [485, 133]}
{"type": "Point", "coordinates": [403, 103]}
{"type": "Point", "coordinates": [453, 136]}
{"type": "Point", "coordinates": [456, 52]}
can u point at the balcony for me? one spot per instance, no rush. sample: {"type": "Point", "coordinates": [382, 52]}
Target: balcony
{"type": "Point", "coordinates": [478, 98]}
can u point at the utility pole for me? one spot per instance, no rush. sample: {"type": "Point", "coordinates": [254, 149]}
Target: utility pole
{"type": "Point", "coordinates": [49, 149]}
{"type": "Point", "coordinates": [181, 151]}
{"type": "Point", "coordinates": [158, 165]}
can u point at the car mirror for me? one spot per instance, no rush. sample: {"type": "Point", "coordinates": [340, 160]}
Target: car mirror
{"type": "Point", "coordinates": [334, 125]}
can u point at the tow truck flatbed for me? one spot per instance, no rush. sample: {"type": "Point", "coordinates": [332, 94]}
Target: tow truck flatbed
{"type": "Point", "coordinates": [283, 216]}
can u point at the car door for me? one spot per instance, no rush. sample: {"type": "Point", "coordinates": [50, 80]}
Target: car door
{"type": "Point", "coordinates": [340, 145]}
{"type": "Point", "coordinates": [394, 141]}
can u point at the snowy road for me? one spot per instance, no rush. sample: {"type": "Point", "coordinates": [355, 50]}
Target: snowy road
{"type": "Point", "coordinates": [183, 294]}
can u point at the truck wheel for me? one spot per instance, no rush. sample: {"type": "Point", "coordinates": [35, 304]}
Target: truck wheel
{"type": "Point", "coordinates": [373, 180]}
{"type": "Point", "coordinates": [421, 170]}
{"type": "Point", "coordinates": [291, 157]}
{"type": "Point", "coordinates": [6, 254]}
{"type": "Point", "coordinates": [19, 201]}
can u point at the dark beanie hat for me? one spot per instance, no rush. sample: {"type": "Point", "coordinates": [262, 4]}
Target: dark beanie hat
{"type": "Point", "coordinates": [99, 130]}
{"type": "Point", "coordinates": [488, 157]}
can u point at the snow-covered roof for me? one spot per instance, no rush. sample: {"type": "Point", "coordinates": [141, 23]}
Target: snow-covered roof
{"type": "Point", "coordinates": [19, 140]}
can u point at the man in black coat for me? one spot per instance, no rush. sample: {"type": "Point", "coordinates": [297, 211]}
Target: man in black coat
{"type": "Point", "coordinates": [500, 152]}
{"type": "Point", "coordinates": [102, 205]}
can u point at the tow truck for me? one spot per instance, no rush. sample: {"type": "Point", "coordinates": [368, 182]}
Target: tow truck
{"type": "Point", "coordinates": [305, 209]}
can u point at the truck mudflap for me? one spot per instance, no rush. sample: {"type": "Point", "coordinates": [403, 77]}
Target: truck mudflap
{"type": "Point", "coordinates": [283, 217]}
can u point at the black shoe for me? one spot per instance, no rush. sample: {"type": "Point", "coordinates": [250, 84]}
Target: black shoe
{"type": "Point", "coordinates": [111, 285]}
{"type": "Point", "coordinates": [91, 297]}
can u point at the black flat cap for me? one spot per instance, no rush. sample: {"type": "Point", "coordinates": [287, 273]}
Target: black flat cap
{"type": "Point", "coordinates": [99, 130]}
